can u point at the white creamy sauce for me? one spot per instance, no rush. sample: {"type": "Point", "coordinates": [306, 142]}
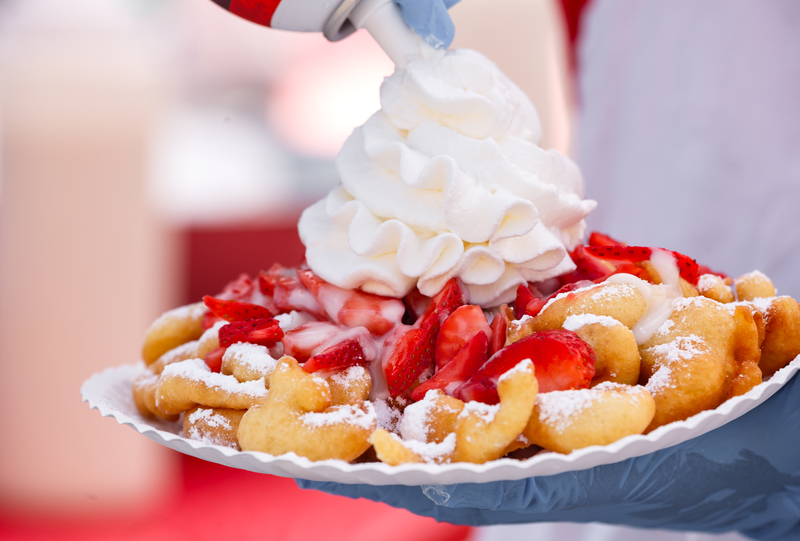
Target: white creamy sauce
{"type": "Point", "coordinates": [660, 301]}
{"type": "Point", "coordinates": [447, 179]}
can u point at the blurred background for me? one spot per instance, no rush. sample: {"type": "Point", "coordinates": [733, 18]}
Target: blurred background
{"type": "Point", "coordinates": [150, 151]}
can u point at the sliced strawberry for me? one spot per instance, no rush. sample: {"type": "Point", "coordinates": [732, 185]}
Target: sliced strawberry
{"type": "Point", "coordinates": [353, 308]}
{"type": "Point", "coordinates": [460, 368]}
{"type": "Point", "coordinates": [526, 303]}
{"type": "Point", "coordinates": [288, 292]}
{"type": "Point", "coordinates": [266, 280]}
{"type": "Point", "coordinates": [499, 327]}
{"type": "Point", "coordinates": [376, 313]}
{"type": "Point", "coordinates": [562, 361]}
{"type": "Point", "coordinates": [239, 289]}
{"type": "Point", "coordinates": [452, 295]}
{"type": "Point", "coordinates": [416, 304]}
{"type": "Point", "coordinates": [235, 310]}
{"type": "Point", "coordinates": [210, 319]}
{"type": "Point", "coordinates": [301, 342]}
{"type": "Point", "coordinates": [337, 357]}
{"type": "Point", "coordinates": [409, 357]}
{"type": "Point", "coordinates": [587, 267]}
{"type": "Point", "coordinates": [600, 239]}
{"type": "Point", "coordinates": [687, 267]}
{"type": "Point", "coordinates": [621, 253]}
{"type": "Point", "coordinates": [524, 296]}
{"type": "Point", "coordinates": [265, 332]}
{"type": "Point", "coordinates": [459, 328]}
{"type": "Point", "coordinates": [213, 358]}
{"type": "Point", "coordinates": [623, 267]}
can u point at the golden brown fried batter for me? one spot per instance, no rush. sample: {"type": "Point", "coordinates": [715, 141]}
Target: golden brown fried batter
{"type": "Point", "coordinates": [753, 285]}
{"type": "Point", "coordinates": [563, 421]}
{"type": "Point", "coordinates": [689, 364]}
{"type": "Point", "coordinates": [189, 383]}
{"type": "Point", "coordinates": [620, 301]}
{"type": "Point", "coordinates": [172, 329]}
{"type": "Point", "coordinates": [213, 425]}
{"type": "Point", "coordinates": [781, 335]}
{"type": "Point", "coordinates": [714, 287]}
{"type": "Point", "coordinates": [616, 352]}
{"type": "Point", "coordinates": [298, 417]}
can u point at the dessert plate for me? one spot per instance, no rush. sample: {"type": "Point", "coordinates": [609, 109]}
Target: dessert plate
{"type": "Point", "coordinates": [110, 393]}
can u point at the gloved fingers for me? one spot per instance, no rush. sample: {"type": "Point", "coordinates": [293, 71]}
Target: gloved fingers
{"type": "Point", "coordinates": [430, 20]}
{"type": "Point", "coordinates": [405, 497]}
{"type": "Point", "coordinates": [742, 476]}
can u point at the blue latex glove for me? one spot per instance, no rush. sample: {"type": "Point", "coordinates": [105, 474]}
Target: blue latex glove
{"type": "Point", "coordinates": [743, 476]}
{"type": "Point", "coordinates": [430, 20]}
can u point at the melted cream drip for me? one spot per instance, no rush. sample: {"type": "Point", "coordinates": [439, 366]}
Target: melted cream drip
{"type": "Point", "coordinates": [660, 298]}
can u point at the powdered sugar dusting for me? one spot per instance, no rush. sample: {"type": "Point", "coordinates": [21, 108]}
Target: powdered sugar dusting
{"type": "Point", "coordinates": [665, 328]}
{"type": "Point", "coordinates": [685, 302]}
{"type": "Point", "coordinates": [525, 365]}
{"type": "Point", "coordinates": [613, 291]}
{"type": "Point", "coordinates": [678, 351]}
{"type": "Point", "coordinates": [557, 408]}
{"type": "Point", "coordinates": [211, 418]}
{"type": "Point", "coordinates": [430, 452]}
{"type": "Point", "coordinates": [707, 282]}
{"type": "Point", "coordinates": [575, 322]}
{"type": "Point", "coordinates": [682, 348]}
{"type": "Point", "coordinates": [416, 417]}
{"type": "Point", "coordinates": [388, 416]}
{"type": "Point", "coordinates": [197, 370]}
{"type": "Point", "coordinates": [363, 417]}
{"type": "Point", "coordinates": [485, 412]}
{"type": "Point", "coordinates": [762, 304]}
{"type": "Point", "coordinates": [348, 376]}
{"type": "Point", "coordinates": [255, 357]}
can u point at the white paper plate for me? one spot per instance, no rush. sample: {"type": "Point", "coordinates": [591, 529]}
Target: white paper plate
{"type": "Point", "coordinates": [110, 393]}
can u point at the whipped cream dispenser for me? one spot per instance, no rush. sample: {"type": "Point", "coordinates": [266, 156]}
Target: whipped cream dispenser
{"type": "Point", "coordinates": [336, 19]}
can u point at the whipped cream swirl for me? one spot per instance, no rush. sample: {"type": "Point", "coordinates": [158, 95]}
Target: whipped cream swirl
{"type": "Point", "coordinates": [447, 179]}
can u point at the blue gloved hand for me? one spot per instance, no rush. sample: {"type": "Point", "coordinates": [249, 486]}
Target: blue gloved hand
{"type": "Point", "coordinates": [430, 20]}
{"type": "Point", "coordinates": [743, 476]}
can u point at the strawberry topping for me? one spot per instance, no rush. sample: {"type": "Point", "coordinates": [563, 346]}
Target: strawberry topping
{"type": "Point", "coordinates": [562, 360]}
{"type": "Point", "coordinates": [687, 267]}
{"type": "Point", "coordinates": [240, 289]}
{"type": "Point", "coordinates": [354, 308]}
{"type": "Point", "coordinates": [600, 239]}
{"type": "Point", "coordinates": [526, 303]}
{"type": "Point", "coordinates": [265, 332]}
{"type": "Point", "coordinates": [213, 358]}
{"type": "Point", "coordinates": [452, 295]}
{"type": "Point", "coordinates": [460, 368]}
{"type": "Point", "coordinates": [499, 327]}
{"type": "Point", "coordinates": [337, 357]}
{"type": "Point", "coordinates": [416, 303]}
{"type": "Point", "coordinates": [458, 329]}
{"type": "Point", "coordinates": [413, 352]}
{"type": "Point", "coordinates": [288, 293]}
{"type": "Point", "coordinates": [303, 341]}
{"type": "Point", "coordinates": [235, 310]}
{"type": "Point", "coordinates": [209, 320]}
{"type": "Point", "coordinates": [409, 358]}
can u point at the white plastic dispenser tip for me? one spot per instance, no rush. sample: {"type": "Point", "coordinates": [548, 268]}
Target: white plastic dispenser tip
{"type": "Point", "coordinates": [382, 19]}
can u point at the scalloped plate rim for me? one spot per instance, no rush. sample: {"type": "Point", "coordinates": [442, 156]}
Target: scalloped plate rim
{"type": "Point", "coordinates": [291, 465]}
